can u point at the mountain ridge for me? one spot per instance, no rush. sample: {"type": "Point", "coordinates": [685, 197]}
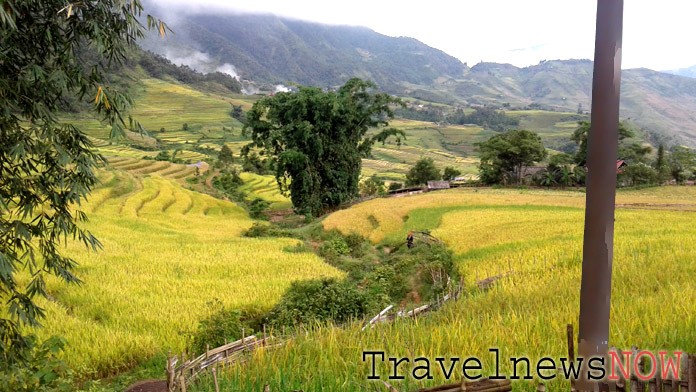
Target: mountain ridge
{"type": "Point", "coordinates": [271, 49]}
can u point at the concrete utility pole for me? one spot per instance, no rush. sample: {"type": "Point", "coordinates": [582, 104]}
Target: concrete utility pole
{"type": "Point", "coordinates": [602, 151]}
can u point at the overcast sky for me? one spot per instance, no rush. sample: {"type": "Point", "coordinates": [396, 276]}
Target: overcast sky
{"type": "Point", "coordinates": [657, 34]}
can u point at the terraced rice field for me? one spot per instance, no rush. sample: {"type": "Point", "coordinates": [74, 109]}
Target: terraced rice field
{"type": "Point", "coordinates": [537, 235]}
{"type": "Point", "coordinates": [266, 188]}
{"type": "Point", "coordinates": [151, 167]}
{"type": "Point", "coordinates": [166, 252]}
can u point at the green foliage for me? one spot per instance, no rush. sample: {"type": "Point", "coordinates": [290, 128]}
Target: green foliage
{"type": "Point", "coordinates": [661, 164]}
{"type": "Point", "coordinates": [225, 156]}
{"type": "Point", "coordinates": [637, 174]}
{"type": "Point", "coordinates": [423, 171]}
{"type": "Point", "coordinates": [327, 300]}
{"type": "Point", "coordinates": [503, 156]}
{"type": "Point", "coordinates": [427, 113]}
{"type": "Point", "coordinates": [333, 248]}
{"type": "Point", "coordinates": [316, 139]}
{"type": "Point", "coordinates": [485, 117]}
{"type": "Point", "coordinates": [258, 230]}
{"type": "Point", "coordinates": [185, 127]}
{"type": "Point", "coordinates": [682, 163]}
{"type": "Point", "coordinates": [237, 113]}
{"type": "Point", "coordinates": [221, 326]}
{"type": "Point", "coordinates": [159, 67]}
{"type": "Point", "coordinates": [33, 366]}
{"type": "Point", "coordinates": [254, 164]}
{"type": "Point", "coordinates": [257, 207]}
{"type": "Point", "coordinates": [228, 182]}
{"type": "Point", "coordinates": [52, 54]}
{"type": "Point", "coordinates": [450, 173]}
{"type": "Point", "coordinates": [163, 156]}
{"type": "Point", "coordinates": [580, 138]}
{"type": "Point", "coordinates": [372, 186]}
{"type": "Point", "coordinates": [394, 186]}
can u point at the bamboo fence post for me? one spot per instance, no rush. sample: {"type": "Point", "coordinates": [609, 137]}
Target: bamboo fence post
{"type": "Point", "coordinates": [463, 386]}
{"type": "Point", "coordinates": [215, 381]}
{"type": "Point", "coordinates": [684, 372]}
{"type": "Point", "coordinates": [571, 350]}
{"type": "Point", "coordinates": [692, 374]}
{"type": "Point", "coordinates": [266, 388]}
{"type": "Point", "coordinates": [243, 339]}
{"type": "Point", "coordinates": [541, 387]}
{"type": "Point", "coordinates": [207, 350]}
{"type": "Point", "coordinates": [182, 381]}
{"type": "Point", "coordinates": [169, 369]}
{"type": "Point", "coordinates": [264, 334]}
{"type": "Point", "coordinates": [658, 376]}
{"type": "Point", "coordinates": [633, 379]}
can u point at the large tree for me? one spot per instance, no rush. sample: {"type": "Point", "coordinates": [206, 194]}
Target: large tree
{"type": "Point", "coordinates": [682, 163]}
{"type": "Point", "coordinates": [580, 134]}
{"type": "Point", "coordinates": [52, 52]}
{"type": "Point", "coordinates": [506, 155]}
{"type": "Point", "coordinates": [423, 171]}
{"type": "Point", "coordinates": [316, 139]}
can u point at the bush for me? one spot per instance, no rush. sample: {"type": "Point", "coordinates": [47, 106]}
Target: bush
{"type": "Point", "coordinates": [228, 183]}
{"type": "Point", "coordinates": [259, 229]}
{"type": "Point", "coordinates": [395, 185]}
{"type": "Point", "coordinates": [163, 156]}
{"type": "Point", "coordinates": [32, 366]}
{"type": "Point", "coordinates": [257, 207]}
{"type": "Point", "coordinates": [356, 244]}
{"type": "Point", "coordinates": [223, 324]}
{"type": "Point", "coordinates": [333, 248]}
{"type": "Point", "coordinates": [319, 300]}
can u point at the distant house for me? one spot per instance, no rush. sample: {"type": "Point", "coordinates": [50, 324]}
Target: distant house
{"type": "Point", "coordinates": [407, 191]}
{"type": "Point", "coordinates": [528, 171]}
{"type": "Point", "coordinates": [197, 164]}
{"type": "Point", "coordinates": [435, 185]}
{"type": "Point", "coordinates": [620, 163]}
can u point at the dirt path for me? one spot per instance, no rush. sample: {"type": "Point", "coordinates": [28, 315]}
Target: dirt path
{"type": "Point", "coordinates": [148, 386]}
{"type": "Point", "coordinates": [659, 207]}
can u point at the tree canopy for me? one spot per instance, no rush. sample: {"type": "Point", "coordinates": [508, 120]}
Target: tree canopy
{"type": "Point", "coordinates": [423, 171]}
{"type": "Point", "coordinates": [580, 138]}
{"type": "Point", "coordinates": [315, 140]}
{"type": "Point", "coordinates": [506, 154]}
{"type": "Point", "coordinates": [47, 166]}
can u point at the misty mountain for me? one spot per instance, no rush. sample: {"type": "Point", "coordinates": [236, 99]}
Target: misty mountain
{"type": "Point", "coordinates": [663, 104]}
{"type": "Point", "coordinates": [266, 48]}
{"type": "Point", "coordinates": [271, 49]}
{"type": "Point", "coordinates": [689, 72]}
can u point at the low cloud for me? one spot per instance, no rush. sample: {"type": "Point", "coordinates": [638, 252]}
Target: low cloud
{"type": "Point", "coordinates": [199, 61]}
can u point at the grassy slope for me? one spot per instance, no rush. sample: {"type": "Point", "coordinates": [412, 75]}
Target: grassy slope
{"type": "Point", "coordinates": [168, 104]}
{"type": "Point", "coordinates": [167, 252]}
{"type": "Point", "coordinates": [538, 234]}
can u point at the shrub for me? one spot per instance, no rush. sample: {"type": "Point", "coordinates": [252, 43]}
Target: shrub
{"type": "Point", "coordinates": [228, 183]}
{"type": "Point", "coordinates": [356, 244]}
{"type": "Point", "coordinates": [223, 324]}
{"type": "Point", "coordinates": [33, 366]}
{"type": "Point", "coordinates": [395, 185]}
{"type": "Point", "coordinates": [333, 248]}
{"type": "Point", "coordinates": [319, 300]}
{"type": "Point", "coordinates": [257, 208]}
{"type": "Point", "coordinates": [259, 229]}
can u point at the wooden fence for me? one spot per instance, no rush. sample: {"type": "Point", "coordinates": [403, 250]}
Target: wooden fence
{"type": "Point", "coordinates": [483, 385]}
{"type": "Point", "coordinates": [188, 370]}
{"type": "Point", "coordinates": [451, 293]}
{"type": "Point", "coordinates": [685, 383]}
{"type": "Point", "coordinates": [182, 371]}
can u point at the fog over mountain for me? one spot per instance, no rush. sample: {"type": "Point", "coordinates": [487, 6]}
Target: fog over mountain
{"type": "Point", "coordinates": [278, 51]}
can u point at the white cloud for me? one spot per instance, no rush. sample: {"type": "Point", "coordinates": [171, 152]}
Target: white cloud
{"type": "Point", "coordinates": [657, 35]}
